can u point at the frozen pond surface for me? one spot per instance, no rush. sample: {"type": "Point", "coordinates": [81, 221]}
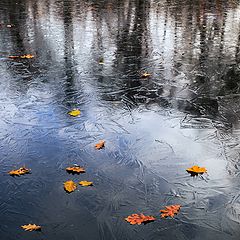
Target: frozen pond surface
{"type": "Point", "coordinates": [186, 113]}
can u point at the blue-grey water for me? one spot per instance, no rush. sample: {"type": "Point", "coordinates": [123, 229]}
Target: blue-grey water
{"type": "Point", "coordinates": [186, 113]}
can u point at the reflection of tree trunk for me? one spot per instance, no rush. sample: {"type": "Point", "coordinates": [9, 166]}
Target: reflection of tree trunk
{"type": "Point", "coordinates": [238, 47]}
{"type": "Point", "coordinates": [68, 49]}
{"type": "Point", "coordinates": [17, 17]}
{"type": "Point", "coordinates": [130, 42]}
{"type": "Point", "coordinates": [203, 35]}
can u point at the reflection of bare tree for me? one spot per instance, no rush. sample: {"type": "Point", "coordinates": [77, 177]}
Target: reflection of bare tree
{"type": "Point", "coordinates": [191, 33]}
{"type": "Point", "coordinates": [68, 53]}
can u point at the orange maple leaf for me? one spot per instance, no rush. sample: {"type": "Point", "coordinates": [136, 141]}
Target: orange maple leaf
{"type": "Point", "coordinates": [195, 170]}
{"type": "Point", "coordinates": [100, 144]}
{"type": "Point", "coordinates": [139, 219]}
{"type": "Point", "coordinates": [20, 171]}
{"type": "Point", "coordinates": [31, 227]}
{"type": "Point", "coordinates": [170, 211]}
{"type": "Point", "coordinates": [75, 169]}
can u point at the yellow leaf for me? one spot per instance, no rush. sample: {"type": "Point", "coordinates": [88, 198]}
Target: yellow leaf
{"type": "Point", "coordinates": [20, 171]}
{"type": "Point", "coordinates": [31, 227]}
{"type": "Point", "coordinates": [28, 56]}
{"type": "Point", "coordinates": [74, 113]}
{"type": "Point", "coordinates": [100, 144]}
{"type": "Point", "coordinates": [86, 183]}
{"type": "Point", "coordinates": [75, 169]}
{"type": "Point", "coordinates": [145, 75]}
{"type": "Point", "coordinates": [195, 170]}
{"type": "Point", "coordinates": [70, 186]}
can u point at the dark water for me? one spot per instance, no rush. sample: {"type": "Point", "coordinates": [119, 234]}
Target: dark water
{"type": "Point", "coordinates": [186, 113]}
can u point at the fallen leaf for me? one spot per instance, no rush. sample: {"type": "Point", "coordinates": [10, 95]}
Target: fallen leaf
{"type": "Point", "coordinates": [100, 144]}
{"type": "Point", "coordinates": [27, 56]}
{"type": "Point", "coordinates": [74, 113]}
{"type": "Point", "coordinates": [13, 57]}
{"type": "Point", "coordinates": [86, 183]}
{"type": "Point", "coordinates": [20, 171]}
{"type": "Point", "coordinates": [75, 169]}
{"type": "Point", "coordinates": [139, 219]}
{"type": "Point", "coordinates": [145, 75]}
{"type": "Point", "coordinates": [195, 170]}
{"type": "Point", "coordinates": [70, 186]}
{"type": "Point", "coordinates": [170, 211]}
{"type": "Point", "coordinates": [31, 227]}
{"type": "Point", "coordinates": [101, 61]}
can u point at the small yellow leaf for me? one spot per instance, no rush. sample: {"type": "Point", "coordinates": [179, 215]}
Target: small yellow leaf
{"type": "Point", "coordinates": [70, 186]}
{"type": "Point", "coordinates": [100, 144]}
{"type": "Point", "coordinates": [74, 113]}
{"type": "Point", "coordinates": [31, 227]}
{"type": "Point", "coordinates": [195, 170]}
{"type": "Point", "coordinates": [86, 183]}
{"type": "Point", "coordinates": [145, 75]}
{"type": "Point", "coordinates": [28, 56]}
{"type": "Point", "coordinates": [20, 171]}
{"type": "Point", "coordinates": [75, 169]}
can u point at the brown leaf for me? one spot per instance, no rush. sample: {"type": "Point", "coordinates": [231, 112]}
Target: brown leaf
{"type": "Point", "coordinates": [20, 171]}
{"type": "Point", "coordinates": [13, 57]}
{"type": "Point", "coordinates": [195, 170]}
{"type": "Point", "coordinates": [101, 61]}
{"type": "Point", "coordinates": [31, 227]}
{"type": "Point", "coordinates": [170, 211]}
{"type": "Point", "coordinates": [100, 144]}
{"type": "Point", "coordinates": [139, 219]}
{"type": "Point", "coordinates": [75, 169]}
{"type": "Point", "coordinates": [70, 186]}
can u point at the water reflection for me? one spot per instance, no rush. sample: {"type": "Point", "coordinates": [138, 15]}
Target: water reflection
{"type": "Point", "coordinates": [185, 113]}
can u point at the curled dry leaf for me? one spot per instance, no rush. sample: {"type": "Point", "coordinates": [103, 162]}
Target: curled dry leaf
{"type": "Point", "coordinates": [101, 61]}
{"type": "Point", "coordinates": [74, 113]}
{"type": "Point", "coordinates": [170, 211]}
{"type": "Point", "coordinates": [195, 170]}
{"type": "Point", "coordinates": [70, 186]}
{"type": "Point", "coordinates": [75, 169]}
{"type": "Point", "coordinates": [31, 227]}
{"type": "Point", "coordinates": [146, 74]}
{"type": "Point", "coordinates": [139, 219]}
{"type": "Point", "coordinates": [100, 144]}
{"type": "Point", "coordinates": [85, 183]}
{"type": "Point", "coordinates": [20, 171]}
